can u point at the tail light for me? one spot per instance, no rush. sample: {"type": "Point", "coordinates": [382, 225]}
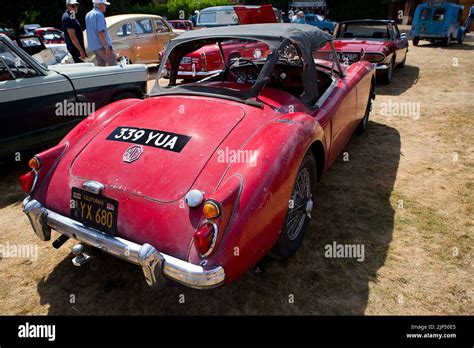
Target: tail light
{"type": "Point", "coordinates": [40, 165]}
{"type": "Point", "coordinates": [34, 163]}
{"type": "Point", "coordinates": [205, 238]}
{"type": "Point", "coordinates": [374, 57]}
{"type": "Point", "coordinates": [27, 181]}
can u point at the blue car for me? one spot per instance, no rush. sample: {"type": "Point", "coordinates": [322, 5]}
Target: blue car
{"type": "Point", "coordinates": [440, 22]}
{"type": "Point", "coordinates": [320, 22]}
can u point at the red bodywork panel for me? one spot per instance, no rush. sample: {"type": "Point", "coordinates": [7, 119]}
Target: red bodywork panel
{"type": "Point", "coordinates": [254, 195]}
{"type": "Point", "coordinates": [262, 14]}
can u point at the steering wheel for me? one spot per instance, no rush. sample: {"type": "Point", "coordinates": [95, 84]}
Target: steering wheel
{"type": "Point", "coordinates": [234, 61]}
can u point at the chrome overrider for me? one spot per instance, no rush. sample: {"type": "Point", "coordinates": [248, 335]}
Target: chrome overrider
{"type": "Point", "coordinates": [155, 265]}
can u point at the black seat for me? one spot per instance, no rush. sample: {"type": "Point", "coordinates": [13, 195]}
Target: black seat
{"type": "Point", "coordinates": [348, 35]}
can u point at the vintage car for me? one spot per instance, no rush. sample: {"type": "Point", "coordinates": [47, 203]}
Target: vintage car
{"type": "Point", "coordinates": [209, 59]}
{"type": "Point", "coordinates": [440, 22]}
{"type": "Point", "coordinates": [137, 38]}
{"type": "Point", "coordinates": [181, 24]}
{"type": "Point", "coordinates": [49, 54]}
{"type": "Point", "coordinates": [50, 35]}
{"type": "Point", "coordinates": [321, 22]}
{"type": "Point", "coordinates": [377, 41]}
{"type": "Point", "coordinates": [200, 181]}
{"type": "Point", "coordinates": [33, 95]}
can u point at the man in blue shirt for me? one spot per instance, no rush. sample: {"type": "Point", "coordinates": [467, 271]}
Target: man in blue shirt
{"type": "Point", "coordinates": [98, 38]}
{"type": "Point", "coordinates": [73, 32]}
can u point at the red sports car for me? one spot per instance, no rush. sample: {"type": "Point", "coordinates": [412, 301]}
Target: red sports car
{"type": "Point", "coordinates": [376, 41]}
{"type": "Point", "coordinates": [200, 181]}
{"type": "Point", "coordinates": [50, 35]}
{"type": "Point", "coordinates": [211, 59]}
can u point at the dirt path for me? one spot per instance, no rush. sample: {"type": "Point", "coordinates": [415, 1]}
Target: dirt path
{"type": "Point", "coordinates": [406, 194]}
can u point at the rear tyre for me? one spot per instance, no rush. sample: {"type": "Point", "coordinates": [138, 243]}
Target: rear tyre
{"type": "Point", "coordinates": [299, 210]}
{"type": "Point", "coordinates": [365, 121]}
{"type": "Point", "coordinates": [403, 63]}
{"type": "Point", "coordinates": [447, 41]}
{"type": "Point", "coordinates": [387, 76]}
{"type": "Point", "coordinates": [416, 41]}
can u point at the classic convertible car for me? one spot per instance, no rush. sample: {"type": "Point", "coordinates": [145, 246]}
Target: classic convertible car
{"type": "Point", "coordinates": [39, 105]}
{"type": "Point", "coordinates": [376, 41]}
{"type": "Point", "coordinates": [200, 181]}
{"type": "Point", "coordinates": [137, 38]}
{"type": "Point", "coordinates": [208, 60]}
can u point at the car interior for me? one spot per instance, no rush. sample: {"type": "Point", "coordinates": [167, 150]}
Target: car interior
{"type": "Point", "coordinates": [287, 74]}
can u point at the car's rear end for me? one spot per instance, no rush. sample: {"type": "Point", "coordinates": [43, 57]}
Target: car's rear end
{"type": "Point", "coordinates": [130, 184]}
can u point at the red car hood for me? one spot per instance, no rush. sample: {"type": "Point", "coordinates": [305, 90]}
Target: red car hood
{"type": "Point", "coordinates": [254, 15]}
{"type": "Point", "coordinates": [159, 173]}
{"type": "Point", "coordinates": [371, 46]}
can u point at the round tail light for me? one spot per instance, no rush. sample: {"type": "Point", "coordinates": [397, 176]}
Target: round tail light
{"type": "Point", "coordinates": [205, 238]}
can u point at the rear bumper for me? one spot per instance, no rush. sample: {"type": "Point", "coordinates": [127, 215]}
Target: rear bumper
{"type": "Point", "coordinates": [155, 265]}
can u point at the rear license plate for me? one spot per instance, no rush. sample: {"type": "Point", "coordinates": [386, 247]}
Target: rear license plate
{"type": "Point", "coordinates": [349, 57]}
{"type": "Point", "coordinates": [94, 210]}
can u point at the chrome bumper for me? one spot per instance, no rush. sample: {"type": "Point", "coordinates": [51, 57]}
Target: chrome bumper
{"type": "Point", "coordinates": [154, 264]}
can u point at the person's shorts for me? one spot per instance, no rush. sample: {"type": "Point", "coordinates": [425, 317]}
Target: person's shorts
{"type": "Point", "coordinates": [100, 57]}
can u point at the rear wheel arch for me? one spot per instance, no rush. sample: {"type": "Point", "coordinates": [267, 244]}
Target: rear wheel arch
{"type": "Point", "coordinates": [317, 149]}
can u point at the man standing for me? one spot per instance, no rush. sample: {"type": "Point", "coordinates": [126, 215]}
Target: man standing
{"type": "Point", "coordinates": [73, 32]}
{"type": "Point", "coordinates": [98, 38]}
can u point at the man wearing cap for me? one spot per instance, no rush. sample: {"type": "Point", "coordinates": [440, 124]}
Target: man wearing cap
{"type": "Point", "coordinates": [73, 32]}
{"type": "Point", "coordinates": [299, 18]}
{"type": "Point", "coordinates": [98, 38]}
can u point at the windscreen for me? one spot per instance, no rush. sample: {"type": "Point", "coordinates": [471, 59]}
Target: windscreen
{"type": "Point", "coordinates": [363, 30]}
{"type": "Point", "coordinates": [219, 66]}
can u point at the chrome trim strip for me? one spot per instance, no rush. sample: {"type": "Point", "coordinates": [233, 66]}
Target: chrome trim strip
{"type": "Point", "coordinates": [154, 263]}
{"type": "Point", "coordinates": [381, 67]}
{"type": "Point", "coordinates": [198, 73]}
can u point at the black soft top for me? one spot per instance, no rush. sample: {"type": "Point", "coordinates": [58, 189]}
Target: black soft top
{"type": "Point", "coordinates": [306, 35]}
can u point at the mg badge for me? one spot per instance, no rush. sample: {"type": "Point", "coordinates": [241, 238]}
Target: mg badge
{"type": "Point", "coordinates": [132, 153]}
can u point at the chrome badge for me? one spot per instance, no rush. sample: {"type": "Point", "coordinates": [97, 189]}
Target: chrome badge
{"type": "Point", "coordinates": [132, 153]}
